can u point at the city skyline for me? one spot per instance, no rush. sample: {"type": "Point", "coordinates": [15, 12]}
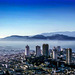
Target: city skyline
{"type": "Point", "coordinates": [22, 17]}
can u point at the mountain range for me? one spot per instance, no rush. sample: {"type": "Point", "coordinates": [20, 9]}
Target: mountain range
{"type": "Point", "coordinates": [68, 33]}
{"type": "Point", "coordinates": [45, 36]}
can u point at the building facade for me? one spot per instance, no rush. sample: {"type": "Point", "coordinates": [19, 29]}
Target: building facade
{"type": "Point", "coordinates": [54, 53]}
{"type": "Point", "coordinates": [68, 55]}
{"type": "Point", "coordinates": [38, 51]}
{"type": "Point", "coordinates": [27, 53]}
{"type": "Point", "coordinates": [45, 49]}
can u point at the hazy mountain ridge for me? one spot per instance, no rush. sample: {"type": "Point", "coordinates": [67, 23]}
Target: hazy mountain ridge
{"type": "Point", "coordinates": [15, 37]}
{"type": "Point", "coordinates": [68, 33]}
{"type": "Point", "coordinates": [53, 37]}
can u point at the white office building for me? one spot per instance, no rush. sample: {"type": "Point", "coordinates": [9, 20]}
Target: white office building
{"type": "Point", "coordinates": [38, 51]}
{"type": "Point", "coordinates": [27, 52]}
{"type": "Point", "coordinates": [54, 53]}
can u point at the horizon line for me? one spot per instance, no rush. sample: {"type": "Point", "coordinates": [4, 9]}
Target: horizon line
{"type": "Point", "coordinates": [34, 34]}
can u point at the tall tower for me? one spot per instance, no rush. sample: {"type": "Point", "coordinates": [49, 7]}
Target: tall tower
{"type": "Point", "coordinates": [68, 55]}
{"type": "Point", "coordinates": [27, 51]}
{"type": "Point", "coordinates": [38, 51]}
{"type": "Point", "coordinates": [54, 53]}
{"type": "Point", "coordinates": [45, 49]}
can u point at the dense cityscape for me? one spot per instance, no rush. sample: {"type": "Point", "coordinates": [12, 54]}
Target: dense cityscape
{"type": "Point", "coordinates": [37, 37]}
{"type": "Point", "coordinates": [45, 61]}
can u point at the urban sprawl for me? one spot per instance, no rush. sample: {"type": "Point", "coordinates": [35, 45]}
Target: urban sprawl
{"type": "Point", "coordinates": [45, 61]}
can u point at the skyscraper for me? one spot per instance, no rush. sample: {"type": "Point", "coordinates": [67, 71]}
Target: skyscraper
{"type": "Point", "coordinates": [54, 53]}
{"type": "Point", "coordinates": [68, 55]}
{"type": "Point", "coordinates": [27, 51]}
{"type": "Point", "coordinates": [45, 49]}
{"type": "Point", "coordinates": [38, 51]}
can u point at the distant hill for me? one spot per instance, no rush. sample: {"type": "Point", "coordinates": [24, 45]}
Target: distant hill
{"type": "Point", "coordinates": [60, 37]}
{"type": "Point", "coordinates": [53, 37]}
{"type": "Point", "coordinates": [72, 34]}
{"type": "Point", "coordinates": [39, 37]}
{"type": "Point", "coordinates": [15, 37]}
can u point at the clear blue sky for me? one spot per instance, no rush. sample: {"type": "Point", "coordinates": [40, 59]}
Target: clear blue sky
{"type": "Point", "coordinates": [30, 17]}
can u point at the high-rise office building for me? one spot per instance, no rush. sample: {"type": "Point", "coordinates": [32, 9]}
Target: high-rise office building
{"type": "Point", "coordinates": [45, 49]}
{"type": "Point", "coordinates": [27, 53]}
{"type": "Point", "coordinates": [68, 55]}
{"type": "Point", "coordinates": [54, 53]}
{"type": "Point", "coordinates": [38, 51]}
